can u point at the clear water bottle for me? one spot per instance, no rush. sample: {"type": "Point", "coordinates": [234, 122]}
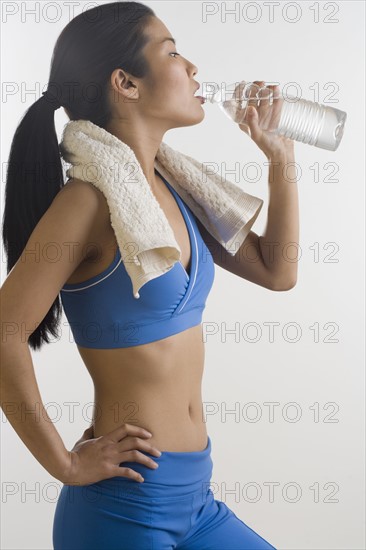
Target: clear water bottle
{"type": "Point", "coordinates": [290, 116]}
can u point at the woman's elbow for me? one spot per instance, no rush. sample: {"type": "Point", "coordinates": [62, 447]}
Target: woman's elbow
{"type": "Point", "coordinates": [283, 285]}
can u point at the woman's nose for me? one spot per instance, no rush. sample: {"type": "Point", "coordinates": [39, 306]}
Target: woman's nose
{"type": "Point", "coordinates": [194, 69]}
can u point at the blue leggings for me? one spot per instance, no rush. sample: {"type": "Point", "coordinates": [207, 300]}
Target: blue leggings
{"type": "Point", "coordinates": [174, 508]}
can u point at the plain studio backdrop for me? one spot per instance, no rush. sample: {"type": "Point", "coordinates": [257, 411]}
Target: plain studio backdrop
{"type": "Point", "coordinates": [283, 386]}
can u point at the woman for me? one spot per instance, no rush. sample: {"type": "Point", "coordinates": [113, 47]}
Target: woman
{"type": "Point", "coordinates": [114, 495]}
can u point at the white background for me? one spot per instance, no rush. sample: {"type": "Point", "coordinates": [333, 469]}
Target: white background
{"type": "Point", "coordinates": [316, 360]}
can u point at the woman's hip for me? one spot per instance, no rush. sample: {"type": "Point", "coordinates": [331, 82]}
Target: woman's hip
{"type": "Point", "coordinates": [122, 507]}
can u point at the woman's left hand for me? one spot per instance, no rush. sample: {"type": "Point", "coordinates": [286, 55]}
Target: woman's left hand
{"type": "Point", "coordinates": [88, 434]}
{"type": "Point", "coordinates": [271, 144]}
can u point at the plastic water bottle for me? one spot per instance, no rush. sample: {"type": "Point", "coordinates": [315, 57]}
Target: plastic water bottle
{"type": "Point", "coordinates": [290, 116]}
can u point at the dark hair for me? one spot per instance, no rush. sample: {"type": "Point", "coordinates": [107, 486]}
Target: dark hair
{"type": "Point", "coordinates": [88, 50]}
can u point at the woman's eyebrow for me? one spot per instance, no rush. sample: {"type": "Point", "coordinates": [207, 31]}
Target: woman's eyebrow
{"type": "Point", "coordinates": [168, 38]}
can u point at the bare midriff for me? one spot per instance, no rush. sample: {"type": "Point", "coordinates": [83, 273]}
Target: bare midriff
{"type": "Point", "coordinates": [156, 386]}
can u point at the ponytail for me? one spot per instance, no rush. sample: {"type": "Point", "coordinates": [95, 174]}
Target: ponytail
{"type": "Point", "coordinates": [34, 177]}
{"type": "Point", "coordinates": [88, 50]}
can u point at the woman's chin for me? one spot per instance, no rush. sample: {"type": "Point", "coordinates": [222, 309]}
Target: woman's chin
{"type": "Point", "coordinates": [196, 118]}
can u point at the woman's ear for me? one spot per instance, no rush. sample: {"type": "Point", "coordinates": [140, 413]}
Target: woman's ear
{"type": "Point", "coordinates": [123, 87]}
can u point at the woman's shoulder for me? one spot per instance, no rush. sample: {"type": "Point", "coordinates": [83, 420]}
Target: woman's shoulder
{"type": "Point", "coordinates": [92, 198]}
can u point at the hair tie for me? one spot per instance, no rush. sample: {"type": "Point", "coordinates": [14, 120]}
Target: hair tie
{"type": "Point", "coordinates": [52, 100]}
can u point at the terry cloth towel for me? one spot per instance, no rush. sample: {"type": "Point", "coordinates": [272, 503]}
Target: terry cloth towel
{"type": "Point", "coordinates": [143, 233]}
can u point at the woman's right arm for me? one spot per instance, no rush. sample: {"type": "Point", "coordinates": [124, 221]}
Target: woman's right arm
{"type": "Point", "coordinates": [27, 294]}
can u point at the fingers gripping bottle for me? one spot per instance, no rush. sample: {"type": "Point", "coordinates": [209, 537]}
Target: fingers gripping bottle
{"type": "Point", "coordinates": [290, 116]}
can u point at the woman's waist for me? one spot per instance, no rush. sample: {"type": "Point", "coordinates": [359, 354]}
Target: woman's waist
{"type": "Point", "coordinates": [152, 388]}
{"type": "Point", "coordinates": [180, 476]}
{"type": "Point", "coordinates": [175, 422]}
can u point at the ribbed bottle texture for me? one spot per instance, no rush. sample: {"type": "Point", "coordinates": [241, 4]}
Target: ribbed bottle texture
{"type": "Point", "coordinates": [295, 118]}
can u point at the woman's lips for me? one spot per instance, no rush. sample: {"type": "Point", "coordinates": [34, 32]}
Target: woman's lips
{"type": "Point", "coordinates": [202, 99]}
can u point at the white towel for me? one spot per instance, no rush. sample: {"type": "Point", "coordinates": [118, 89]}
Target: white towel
{"type": "Point", "coordinates": [145, 238]}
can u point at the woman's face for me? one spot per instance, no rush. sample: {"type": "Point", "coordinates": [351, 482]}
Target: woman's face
{"type": "Point", "coordinates": [166, 95]}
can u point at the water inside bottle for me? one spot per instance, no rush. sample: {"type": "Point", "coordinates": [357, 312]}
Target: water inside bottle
{"type": "Point", "coordinates": [293, 117]}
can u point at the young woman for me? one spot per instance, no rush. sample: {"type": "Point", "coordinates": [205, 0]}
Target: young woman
{"type": "Point", "coordinates": [113, 494]}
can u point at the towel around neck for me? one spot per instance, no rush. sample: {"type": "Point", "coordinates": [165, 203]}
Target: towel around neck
{"type": "Point", "coordinates": [145, 238]}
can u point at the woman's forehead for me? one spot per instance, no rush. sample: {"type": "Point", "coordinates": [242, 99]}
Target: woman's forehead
{"type": "Point", "coordinates": [158, 33]}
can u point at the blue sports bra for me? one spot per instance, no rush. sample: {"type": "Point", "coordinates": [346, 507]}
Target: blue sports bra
{"type": "Point", "coordinates": [103, 313]}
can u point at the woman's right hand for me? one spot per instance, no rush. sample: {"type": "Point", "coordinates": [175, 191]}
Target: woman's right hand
{"type": "Point", "coordinates": [269, 142]}
{"type": "Point", "coordinates": [92, 460]}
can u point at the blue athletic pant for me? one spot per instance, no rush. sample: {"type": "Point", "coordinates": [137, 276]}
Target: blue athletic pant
{"type": "Point", "coordinates": [174, 508]}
